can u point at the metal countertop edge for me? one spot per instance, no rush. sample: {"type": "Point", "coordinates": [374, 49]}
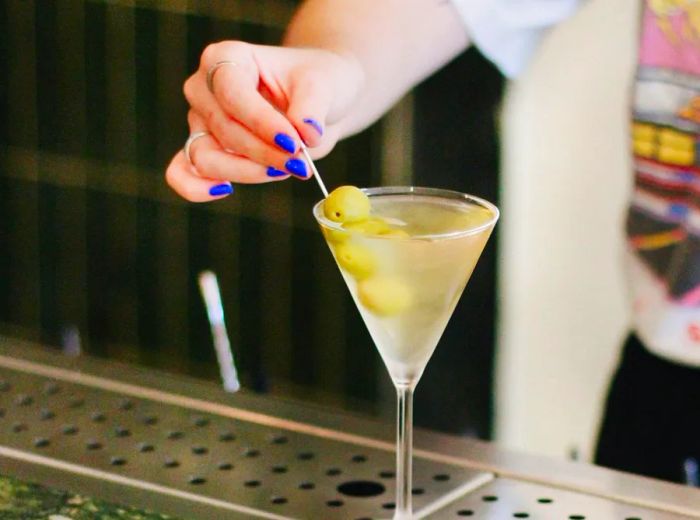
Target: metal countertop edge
{"type": "Point", "coordinates": [473, 454]}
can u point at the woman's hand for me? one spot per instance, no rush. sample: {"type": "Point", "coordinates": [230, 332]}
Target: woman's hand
{"type": "Point", "coordinates": [257, 104]}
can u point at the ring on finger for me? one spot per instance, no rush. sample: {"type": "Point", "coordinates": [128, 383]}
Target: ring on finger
{"type": "Point", "coordinates": [191, 139]}
{"type": "Point", "coordinates": [212, 70]}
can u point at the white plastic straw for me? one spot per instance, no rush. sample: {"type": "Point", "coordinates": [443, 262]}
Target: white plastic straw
{"type": "Point", "coordinates": [209, 286]}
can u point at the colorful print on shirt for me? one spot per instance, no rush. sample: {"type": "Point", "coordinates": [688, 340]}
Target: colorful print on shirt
{"type": "Point", "coordinates": [663, 225]}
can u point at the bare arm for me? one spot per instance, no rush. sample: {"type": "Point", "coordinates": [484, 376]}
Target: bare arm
{"type": "Point", "coordinates": [395, 43]}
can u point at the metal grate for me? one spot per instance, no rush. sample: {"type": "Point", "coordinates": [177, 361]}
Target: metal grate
{"type": "Point", "coordinates": [504, 498]}
{"type": "Point", "coordinates": [277, 471]}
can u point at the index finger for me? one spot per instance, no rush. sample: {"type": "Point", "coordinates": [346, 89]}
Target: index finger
{"type": "Point", "coordinates": [234, 82]}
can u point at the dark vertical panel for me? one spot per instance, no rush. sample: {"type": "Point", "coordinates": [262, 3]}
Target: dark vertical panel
{"type": "Point", "coordinates": [21, 198]}
{"type": "Point", "coordinates": [5, 214]}
{"type": "Point", "coordinates": [49, 131]}
{"type": "Point", "coordinates": [463, 154]}
{"type": "Point", "coordinates": [146, 70]}
{"type": "Point", "coordinates": [172, 239]}
{"type": "Point", "coordinates": [70, 205]}
{"type": "Point", "coordinates": [5, 68]}
{"type": "Point", "coordinates": [95, 149]}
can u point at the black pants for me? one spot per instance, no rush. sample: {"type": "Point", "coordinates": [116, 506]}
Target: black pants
{"type": "Point", "coordinates": [652, 417]}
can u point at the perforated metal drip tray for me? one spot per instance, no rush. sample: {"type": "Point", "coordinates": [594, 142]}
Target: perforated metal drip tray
{"type": "Point", "coordinates": [172, 450]}
{"type": "Point", "coordinates": [237, 466]}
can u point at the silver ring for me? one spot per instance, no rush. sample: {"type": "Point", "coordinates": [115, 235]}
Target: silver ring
{"type": "Point", "coordinates": [212, 70]}
{"type": "Point", "coordinates": [191, 139]}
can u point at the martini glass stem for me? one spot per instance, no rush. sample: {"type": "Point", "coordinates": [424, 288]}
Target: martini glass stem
{"type": "Point", "coordinates": [404, 452]}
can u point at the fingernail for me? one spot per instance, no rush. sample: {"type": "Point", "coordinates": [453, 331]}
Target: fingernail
{"type": "Point", "coordinates": [296, 167]}
{"type": "Point", "coordinates": [274, 172]}
{"type": "Point", "coordinates": [315, 124]}
{"type": "Point", "coordinates": [285, 142]}
{"type": "Point", "coordinates": [221, 189]}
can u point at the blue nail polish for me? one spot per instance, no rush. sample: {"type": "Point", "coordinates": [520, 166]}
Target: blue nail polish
{"type": "Point", "coordinates": [274, 172]}
{"type": "Point", "coordinates": [285, 142]}
{"type": "Point", "coordinates": [315, 124]}
{"type": "Point", "coordinates": [221, 189]}
{"type": "Point", "coordinates": [296, 167]}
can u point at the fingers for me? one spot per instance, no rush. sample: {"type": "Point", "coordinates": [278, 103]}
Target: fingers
{"type": "Point", "coordinates": [235, 87]}
{"type": "Point", "coordinates": [181, 177]}
{"type": "Point", "coordinates": [216, 161]}
{"type": "Point", "coordinates": [309, 102]}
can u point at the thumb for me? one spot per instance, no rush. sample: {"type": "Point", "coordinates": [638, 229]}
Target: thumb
{"type": "Point", "coordinates": [309, 102]}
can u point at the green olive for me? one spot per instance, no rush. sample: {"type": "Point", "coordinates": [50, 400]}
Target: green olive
{"type": "Point", "coordinates": [395, 233]}
{"type": "Point", "coordinates": [356, 260]}
{"type": "Point", "coordinates": [335, 236]}
{"type": "Point", "coordinates": [384, 296]}
{"type": "Point", "coordinates": [346, 204]}
{"type": "Point", "coordinates": [371, 226]}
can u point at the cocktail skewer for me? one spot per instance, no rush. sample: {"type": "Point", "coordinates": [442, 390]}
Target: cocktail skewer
{"type": "Point", "coordinates": [209, 287]}
{"type": "Point", "coordinates": [305, 151]}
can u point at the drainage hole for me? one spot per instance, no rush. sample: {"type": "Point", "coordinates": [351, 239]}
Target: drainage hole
{"type": "Point", "coordinates": [633, 518]}
{"type": "Point", "coordinates": [171, 463]}
{"type": "Point", "coordinates": [50, 389]}
{"type": "Point", "coordinates": [144, 447]}
{"type": "Point", "coordinates": [98, 417]}
{"type": "Point", "coordinates": [120, 431]}
{"type": "Point", "coordinates": [24, 400]}
{"type": "Point", "coordinates": [389, 505]}
{"type": "Point", "coordinates": [489, 498]}
{"type": "Point", "coordinates": [361, 488]}
{"type": "Point", "coordinates": [174, 435]}
{"type": "Point", "coordinates": [2, 412]}
{"type": "Point", "coordinates": [332, 472]}
{"type": "Point", "coordinates": [577, 517]}
{"type": "Point", "coordinates": [441, 477]}
{"type": "Point", "coordinates": [196, 480]}
{"type": "Point", "coordinates": [200, 422]}
{"type": "Point", "coordinates": [334, 503]}
{"type": "Point", "coordinates": [76, 402]}
{"type": "Point", "coordinates": [126, 404]}
{"type": "Point", "coordinates": [521, 515]}
{"type": "Point", "coordinates": [307, 485]}
{"type": "Point", "coordinates": [200, 450]}
{"type": "Point", "coordinates": [465, 512]}
{"type": "Point", "coordinates": [386, 474]}
{"type": "Point", "coordinates": [117, 461]}
{"type": "Point", "coordinates": [251, 483]}
{"type": "Point", "coordinates": [278, 500]}
{"type": "Point", "coordinates": [359, 458]}
{"type": "Point", "coordinates": [305, 455]}
{"type": "Point", "coordinates": [418, 491]}
{"type": "Point", "coordinates": [46, 415]}
{"type": "Point", "coordinates": [19, 427]}
{"type": "Point", "coordinates": [4, 386]}
{"type": "Point", "coordinates": [279, 439]}
{"type": "Point", "coordinates": [545, 500]}
{"type": "Point", "coordinates": [225, 466]}
{"type": "Point", "coordinates": [226, 437]}
{"type": "Point", "coordinates": [69, 429]}
{"type": "Point", "coordinates": [279, 469]}
{"type": "Point", "coordinates": [150, 420]}
{"type": "Point", "coordinates": [251, 452]}
{"type": "Point", "coordinates": [93, 445]}
{"type": "Point", "coordinates": [41, 442]}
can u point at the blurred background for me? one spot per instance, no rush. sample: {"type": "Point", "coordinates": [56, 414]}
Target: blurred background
{"type": "Point", "coordinates": [95, 249]}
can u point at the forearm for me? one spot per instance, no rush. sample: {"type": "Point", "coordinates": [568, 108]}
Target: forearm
{"type": "Point", "coordinates": [395, 44]}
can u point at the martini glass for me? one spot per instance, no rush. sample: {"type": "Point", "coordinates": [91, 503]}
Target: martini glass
{"type": "Point", "coordinates": [406, 284]}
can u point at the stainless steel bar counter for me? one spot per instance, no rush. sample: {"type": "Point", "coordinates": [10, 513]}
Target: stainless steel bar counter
{"type": "Point", "coordinates": [186, 448]}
